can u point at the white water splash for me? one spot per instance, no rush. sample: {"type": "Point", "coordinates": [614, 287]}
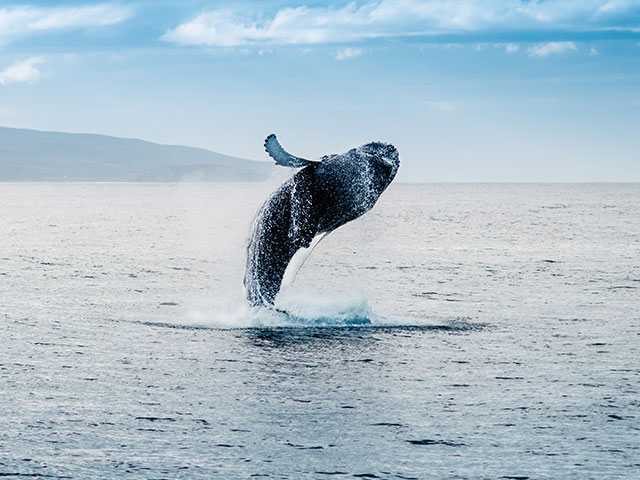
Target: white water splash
{"type": "Point", "coordinates": [294, 309]}
{"type": "Point", "coordinates": [299, 309]}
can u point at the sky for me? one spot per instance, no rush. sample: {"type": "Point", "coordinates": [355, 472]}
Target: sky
{"type": "Point", "coordinates": [468, 91]}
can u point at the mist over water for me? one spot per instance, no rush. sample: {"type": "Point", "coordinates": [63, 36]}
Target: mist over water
{"type": "Point", "coordinates": [455, 331]}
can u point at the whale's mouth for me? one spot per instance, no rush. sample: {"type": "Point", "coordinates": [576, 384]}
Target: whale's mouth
{"type": "Point", "coordinates": [391, 161]}
{"type": "Point", "coordinates": [390, 156]}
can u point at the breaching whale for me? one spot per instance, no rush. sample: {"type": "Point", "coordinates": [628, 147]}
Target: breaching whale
{"type": "Point", "coordinates": [323, 195]}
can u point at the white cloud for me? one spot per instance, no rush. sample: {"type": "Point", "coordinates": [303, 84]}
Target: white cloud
{"type": "Point", "coordinates": [22, 71]}
{"type": "Point", "coordinates": [593, 51]}
{"type": "Point", "coordinates": [18, 21]}
{"type": "Point", "coordinates": [346, 53]}
{"type": "Point", "coordinates": [551, 48]}
{"type": "Point", "coordinates": [375, 18]}
{"type": "Point", "coordinates": [511, 48]}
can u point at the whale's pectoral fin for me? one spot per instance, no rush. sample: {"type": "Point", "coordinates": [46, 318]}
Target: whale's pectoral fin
{"type": "Point", "coordinates": [281, 156]}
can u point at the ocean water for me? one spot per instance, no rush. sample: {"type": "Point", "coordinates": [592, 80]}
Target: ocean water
{"type": "Point", "coordinates": [455, 331]}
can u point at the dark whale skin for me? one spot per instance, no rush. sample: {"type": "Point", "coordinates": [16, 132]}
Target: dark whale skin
{"type": "Point", "coordinates": [319, 198]}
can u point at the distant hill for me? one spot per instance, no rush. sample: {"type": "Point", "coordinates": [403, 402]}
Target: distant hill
{"type": "Point", "coordinates": [31, 155]}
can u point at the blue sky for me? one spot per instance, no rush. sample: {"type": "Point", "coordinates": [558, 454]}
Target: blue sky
{"type": "Point", "coordinates": [467, 90]}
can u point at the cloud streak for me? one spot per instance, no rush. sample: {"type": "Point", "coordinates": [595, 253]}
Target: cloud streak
{"type": "Point", "coordinates": [347, 53]}
{"type": "Point", "coordinates": [22, 71]}
{"type": "Point", "coordinates": [20, 21]}
{"type": "Point", "coordinates": [551, 48]}
{"type": "Point", "coordinates": [388, 18]}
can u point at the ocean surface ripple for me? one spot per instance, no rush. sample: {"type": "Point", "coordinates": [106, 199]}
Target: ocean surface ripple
{"type": "Point", "coordinates": [455, 331]}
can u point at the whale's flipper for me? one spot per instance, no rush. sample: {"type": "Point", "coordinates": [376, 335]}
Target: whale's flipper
{"type": "Point", "coordinates": [281, 156]}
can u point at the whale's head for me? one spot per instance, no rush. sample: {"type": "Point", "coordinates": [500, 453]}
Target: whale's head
{"type": "Point", "coordinates": [384, 160]}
